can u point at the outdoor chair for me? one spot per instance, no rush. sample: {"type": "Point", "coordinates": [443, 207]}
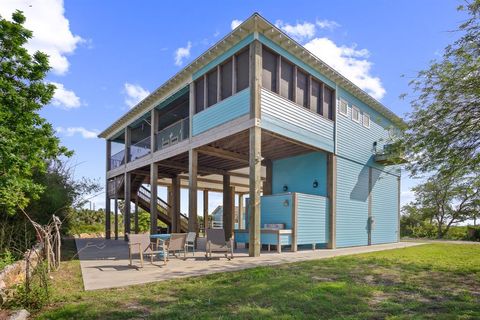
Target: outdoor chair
{"type": "Point", "coordinates": [175, 244]}
{"type": "Point", "coordinates": [216, 243]}
{"type": "Point", "coordinates": [141, 244]}
{"type": "Point", "coordinates": [190, 242]}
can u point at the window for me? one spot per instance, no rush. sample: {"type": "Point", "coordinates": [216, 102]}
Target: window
{"type": "Point", "coordinates": [343, 108]}
{"type": "Point", "coordinates": [328, 96]}
{"type": "Point", "coordinates": [316, 97]}
{"type": "Point", "coordinates": [302, 88]}
{"type": "Point", "coordinates": [355, 114]}
{"type": "Point", "coordinates": [226, 79]}
{"type": "Point", "coordinates": [366, 120]}
{"type": "Point", "coordinates": [269, 72]}
{"type": "Point", "coordinates": [242, 68]}
{"type": "Point", "coordinates": [212, 87]}
{"type": "Point", "coordinates": [199, 95]}
{"type": "Point", "coordinates": [286, 80]}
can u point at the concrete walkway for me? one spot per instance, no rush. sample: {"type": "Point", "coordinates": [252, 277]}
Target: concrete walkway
{"type": "Point", "coordinates": [104, 263]}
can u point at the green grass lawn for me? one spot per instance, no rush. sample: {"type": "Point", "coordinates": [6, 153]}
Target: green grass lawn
{"type": "Point", "coordinates": [434, 281]}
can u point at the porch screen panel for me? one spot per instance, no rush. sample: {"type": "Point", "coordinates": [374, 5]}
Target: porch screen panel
{"type": "Point", "coordinates": [286, 80]}
{"type": "Point", "coordinates": [316, 97]}
{"type": "Point", "coordinates": [226, 79]}
{"type": "Point", "coordinates": [199, 95]}
{"type": "Point", "coordinates": [302, 88]}
{"type": "Point", "coordinates": [269, 72]}
{"type": "Point", "coordinates": [328, 103]}
{"type": "Point", "coordinates": [242, 70]}
{"type": "Point", "coordinates": [212, 88]}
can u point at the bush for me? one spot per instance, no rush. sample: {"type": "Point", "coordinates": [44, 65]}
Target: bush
{"type": "Point", "coordinates": [6, 258]}
{"type": "Point", "coordinates": [457, 233]}
{"type": "Point", "coordinates": [424, 230]}
{"type": "Point", "coordinates": [473, 233]}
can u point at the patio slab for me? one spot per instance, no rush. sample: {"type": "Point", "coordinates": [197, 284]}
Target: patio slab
{"type": "Point", "coordinates": [105, 263]}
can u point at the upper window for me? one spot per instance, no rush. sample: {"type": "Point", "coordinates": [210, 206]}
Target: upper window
{"type": "Point", "coordinates": [199, 94]}
{"type": "Point", "coordinates": [286, 79]}
{"type": "Point", "coordinates": [241, 69]}
{"type": "Point", "coordinates": [316, 97]}
{"type": "Point", "coordinates": [226, 79]}
{"type": "Point", "coordinates": [366, 120]}
{"type": "Point", "coordinates": [302, 88]}
{"type": "Point", "coordinates": [355, 114]}
{"type": "Point", "coordinates": [269, 70]}
{"type": "Point", "coordinates": [212, 87]}
{"type": "Point", "coordinates": [343, 108]}
{"type": "Point", "coordinates": [328, 97]}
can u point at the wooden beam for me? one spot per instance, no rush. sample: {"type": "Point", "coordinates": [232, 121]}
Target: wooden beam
{"type": "Point", "coordinates": [136, 215]}
{"type": "Point", "coordinates": [128, 141]}
{"type": "Point", "coordinates": [224, 154]}
{"type": "Point", "coordinates": [153, 130]}
{"type": "Point", "coordinates": [192, 191]}
{"type": "Point", "coordinates": [108, 225]}
{"type": "Point", "coordinates": [213, 181]}
{"type": "Point", "coordinates": [153, 197]}
{"type": "Point", "coordinates": [116, 215]}
{"type": "Point", "coordinates": [332, 197]}
{"type": "Point", "coordinates": [205, 209]}
{"type": "Point", "coordinates": [227, 208]}
{"type": "Point", "coordinates": [175, 204]}
{"type": "Point", "coordinates": [127, 186]}
{"type": "Point", "coordinates": [267, 184]}
{"type": "Point", "coordinates": [201, 169]}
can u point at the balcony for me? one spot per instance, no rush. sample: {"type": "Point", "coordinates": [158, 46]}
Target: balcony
{"type": "Point", "coordinates": [140, 149]}
{"type": "Point", "coordinates": [117, 160]}
{"type": "Point", "coordinates": [173, 134]}
{"type": "Point", "coordinates": [390, 154]}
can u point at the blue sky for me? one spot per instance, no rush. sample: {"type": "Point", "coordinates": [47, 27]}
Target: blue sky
{"type": "Point", "coordinates": [106, 55]}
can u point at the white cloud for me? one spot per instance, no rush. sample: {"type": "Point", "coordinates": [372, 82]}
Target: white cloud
{"type": "Point", "coordinates": [134, 94]}
{"type": "Point", "coordinates": [351, 62]}
{"type": "Point", "coordinates": [327, 24]}
{"type": "Point", "coordinates": [182, 53]}
{"type": "Point", "coordinates": [65, 99]}
{"type": "Point", "coordinates": [51, 30]}
{"type": "Point", "coordinates": [235, 23]}
{"type": "Point", "coordinates": [300, 31]}
{"type": "Point", "coordinates": [71, 131]}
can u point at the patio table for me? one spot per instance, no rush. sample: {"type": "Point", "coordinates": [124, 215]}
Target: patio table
{"type": "Point", "coordinates": [160, 237]}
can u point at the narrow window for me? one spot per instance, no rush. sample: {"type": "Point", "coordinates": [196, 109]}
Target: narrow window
{"type": "Point", "coordinates": [269, 72]}
{"type": "Point", "coordinates": [343, 108]}
{"type": "Point", "coordinates": [286, 80]}
{"type": "Point", "coordinates": [212, 87]}
{"type": "Point", "coordinates": [316, 97]}
{"type": "Point", "coordinates": [355, 114]}
{"type": "Point", "coordinates": [199, 95]}
{"type": "Point", "coordinates": [366, 120]}
{"type": "Point", "coordinates": [226, 79]}
{"type": "Point", "coordinates": [328, 95]}
{"type": "Point", "coordinates": [302, 88]}
{"type": "Point", "coordinates": [242, 70]}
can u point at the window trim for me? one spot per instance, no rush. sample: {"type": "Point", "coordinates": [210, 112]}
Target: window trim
{"type": "Point", "coordinates": [366, 115]}
{"type": "Point", "coordinates": [355, 108]}
{"type": "Point", "coordinates": [341, 100]}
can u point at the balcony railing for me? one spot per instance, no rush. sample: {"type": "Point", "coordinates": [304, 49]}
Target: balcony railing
{"type": "Point", "coordinates": [173, 134]}
{"type": "Point", "coordinates": [117, 159]}
{"type": "Point", "coordinates": [390, 154]}
{"type": "Point", "coordinates": [140, 149]}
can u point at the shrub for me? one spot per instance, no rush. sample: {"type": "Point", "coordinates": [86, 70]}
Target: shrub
{"type": "Point", "coordinates": [473, 233]}
{"type": "Point", "coordinates": [424, 230]}
{"type": "Point", "coordinates": [6, 258]}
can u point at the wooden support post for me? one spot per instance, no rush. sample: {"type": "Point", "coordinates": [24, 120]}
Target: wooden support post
{"type": "Point", "coordinates": [128, 142]}
{"type": "Point", "coordinates": [192, 191]}
{"type": "Point", "coordinates": [176, 204]}
{"type": "Point", "coordinates": [227, 207]}
{"type": "Point", "coordinates": [116, 215]}
{"type": "Point", "coordinates": [205, 209]}
{"type": "Point", "coordinates": [232, 210]}
{"type": "Point", "coordinates": [255, 152]}
{"type": "Point", "coordinates": [108, 224]}
{"type": "Point", "coordinates": [241, 214]}
{"type": "Point", "coordinates": [153, 198]}
{"type": "Point", "coordinates": [136, 215]}
{"type": "Point", "coordinates": [127, 205]}
{"type": "Point", "coordinates": [153, 130]}
{"type": "Point", "coordinates": [169, 200]}
{"type": "Point", "coordinates": [267, 184]}
{"type": "Point", "coordinates": [332, 197]}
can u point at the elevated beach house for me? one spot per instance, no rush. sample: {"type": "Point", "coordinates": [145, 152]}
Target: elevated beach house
{"type": "Point", "coordinates": [301, 150]}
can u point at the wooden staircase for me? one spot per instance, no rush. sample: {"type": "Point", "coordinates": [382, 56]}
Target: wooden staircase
{"type": "Point", "coordinates": [143, 195]}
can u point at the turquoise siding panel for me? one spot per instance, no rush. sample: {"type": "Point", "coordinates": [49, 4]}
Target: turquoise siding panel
{"type": "Point", "coordinates": [241, 44]}
{"type": "Point", "coordinates": [274, 209]}
{"type": "Point", "coordinates": [265, 238]}
{"type": "Point", "coordinates": [384, 207]}
{"type": "Point", "coordinates": [312, 219]}
{"type": "Point", "coordinates": [284, 117]}
{"type": "Point", "coordinates": [352, 203]}
{"type": "Point", "coordinates": [299, 173]}
{"type": "Point", "coordinates": [222, 112]}
{"type": "Point", "coordinates": [354, 141]}
{"type": "Point", "coordinates": [272, 45]}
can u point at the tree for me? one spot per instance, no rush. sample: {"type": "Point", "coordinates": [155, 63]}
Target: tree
{"type": "Point", "coordinates": [27, 141]}
{"type": "Point", "coordinates": [447, 199]}
{"type": "Point", "coordinates": [444, 128]}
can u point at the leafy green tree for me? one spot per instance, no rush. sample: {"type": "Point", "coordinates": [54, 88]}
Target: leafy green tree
{"type": "Point", "coordinates": [444, 128]}
{"type": "Point", "coordinates": [27, 140]}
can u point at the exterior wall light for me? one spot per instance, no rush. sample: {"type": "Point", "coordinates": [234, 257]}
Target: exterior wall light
{"type": "Point", "coordinates": [285, 188]}
{"type": "Point", "coordinates": [315, 183]}
{"type": "Point", "coordinates": [286, 203]}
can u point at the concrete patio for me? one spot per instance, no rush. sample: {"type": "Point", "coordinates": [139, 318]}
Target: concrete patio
{"type": "Point", "coordinates": [105, 263]}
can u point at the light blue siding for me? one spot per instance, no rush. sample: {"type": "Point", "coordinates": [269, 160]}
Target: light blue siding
{"type": "Point", "coordinates": [384, 207]}
{"type": "Point", "coordinates": [312, 219]}
{"type": "Point", "coordinates": [284, 117]}
{"type": "Point", "coordinates": [238, 46]}
{"type": "Point", "coordinates": [222, 112]}
{"type": "Point", "coordinates": [299, 173]}
{"type": "Point", "coordinates": [265, 238]}
{"type": "Point", "coordinates": [352, 204]}
{"type": "Point", "coordinates": [274, 209]}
